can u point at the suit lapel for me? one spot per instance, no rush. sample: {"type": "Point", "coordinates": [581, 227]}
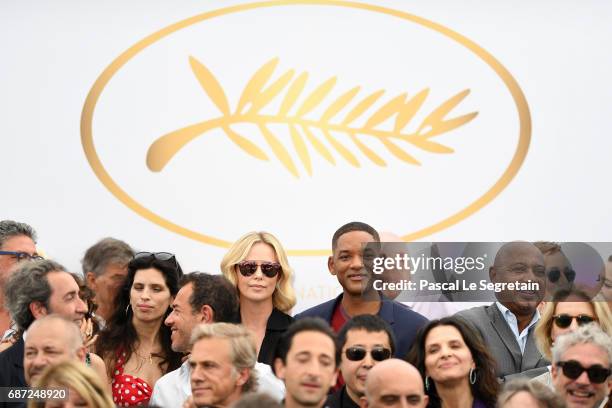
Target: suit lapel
{"type": "Point", "coordinates": [532, 355]}
{"type": "Point", "coordinates": [505, 334]}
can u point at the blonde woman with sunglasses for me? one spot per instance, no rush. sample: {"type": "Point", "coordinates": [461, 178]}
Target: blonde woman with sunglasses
{"type": "Point", "coordinates": [258, 268]}
{"type": "Point", "coordinates": [568, 310]}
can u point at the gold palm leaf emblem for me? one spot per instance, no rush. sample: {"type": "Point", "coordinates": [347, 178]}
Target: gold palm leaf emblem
{"type": "Point", "coordinates": [256, 96]}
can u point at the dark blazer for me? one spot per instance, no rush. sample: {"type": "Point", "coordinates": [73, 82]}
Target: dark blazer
{"type": "Point", "coordinates": [502, 344]}
{"type": "Point", "coordinates": [11, 370]}
{"type": "Point", "coordinates": [404, 322]}
{"type": "Point", "coordinates": [278, 322]}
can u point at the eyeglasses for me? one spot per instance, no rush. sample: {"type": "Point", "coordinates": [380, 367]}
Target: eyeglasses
{"type": "Point", "coordinates": [248, 268]}
{"type": "Point", "coordinates": [564, 320]}
{"type": "Point", "coordinates": [555, 273]}
{"type": "Point", "coordinates": [572, 369]}
{"type": "Point", "coordinates": [20, 256]}
{"type": "Point", "coordinates": [359, 353]}
{"type": "Point", "coordinates": [158, 256]}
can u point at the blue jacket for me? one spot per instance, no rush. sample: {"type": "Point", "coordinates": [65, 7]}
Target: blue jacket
{"type": "Point", "coordinates": [404, 322]}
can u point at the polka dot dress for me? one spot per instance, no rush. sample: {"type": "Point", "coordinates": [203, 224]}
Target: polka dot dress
{"type": "Point", "coordinates": [128, 390]}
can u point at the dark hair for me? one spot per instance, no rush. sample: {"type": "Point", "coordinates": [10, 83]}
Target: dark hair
{"type": "Point", "coordinates": [315, 324]}
{"type": "Point", "coordinates": [370, 323]}
{"type": "Point", "coordinates": [486, 386]}
{"type": "Point", "coordinates": [214, 291]}
{"type": "Point", "coordinates": [120, 334]}
{"type": "Point", "coordinates": [354, 226]}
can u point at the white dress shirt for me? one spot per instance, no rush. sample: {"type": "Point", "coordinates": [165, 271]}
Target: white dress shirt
{"type": "Point", "coordinates": [172, 389]}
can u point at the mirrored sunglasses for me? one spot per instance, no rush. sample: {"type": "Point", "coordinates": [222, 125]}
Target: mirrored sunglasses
{"type": "Point", "coordinates": [270, 269]}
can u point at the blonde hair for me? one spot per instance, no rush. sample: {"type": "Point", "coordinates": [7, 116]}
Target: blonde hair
{"type": "Point", "coordinates": [543, 329]}
{"type": "Point", "coordinates": [283, 297]}
{"type": "Point", "coordinates": [80, 378]}
{"type": "Point", "coordinates": [242, 344]}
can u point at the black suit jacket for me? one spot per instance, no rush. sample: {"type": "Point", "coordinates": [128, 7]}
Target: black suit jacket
{"type": "Point", "coordinates": [11, 370]}
{"type": "Point", "coordinates": [278, 322]}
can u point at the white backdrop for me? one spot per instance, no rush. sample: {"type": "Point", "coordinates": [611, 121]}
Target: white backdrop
{"type": "Point", "coordinates": [54, 52]}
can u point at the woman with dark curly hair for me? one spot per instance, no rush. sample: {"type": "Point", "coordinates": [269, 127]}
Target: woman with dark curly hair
{"type": "Point", "coordinates": [458, 370]}
{"type": "Point", "coordinates": [135, 344]}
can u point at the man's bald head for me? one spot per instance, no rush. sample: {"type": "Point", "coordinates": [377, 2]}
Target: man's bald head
{"type": "Point", "coordinates": [50, 340]}
{"type": "Point", "coordinates": [511, 250]}
{"type": "Point", "coordinates": [522, 262]}
{"type": "Point", "coordinates": [394, 383]}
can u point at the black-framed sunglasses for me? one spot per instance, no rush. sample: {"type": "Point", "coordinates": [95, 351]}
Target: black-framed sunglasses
{"type": "Point", "coordinates": [572, 369]}
{"type": "Point", "coordinates": [248, 268]}
{"type": "Point", "coordinates": [359, 353]}
{"type": "Point", "coordinates": [564, 320]}
{"type": "Point", "coordinates": [554, 274]}
{"type": "Point", "coordinates": [21, 256]}
{"type": "Point", "coordinates": [159, 256]}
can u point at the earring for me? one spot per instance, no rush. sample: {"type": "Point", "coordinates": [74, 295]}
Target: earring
{"type": "Point", "coordinates": [472, 376]}
{"type": "Point", "coordinates": [427, 383]}
{"type": "Point", "coordinates": [127, 309]}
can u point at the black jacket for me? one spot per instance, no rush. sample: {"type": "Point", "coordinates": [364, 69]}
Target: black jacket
{"type": "Point", "coordinates": [340, 399]}
{"type": "Point", "coordinates": [278, 322]}
{"type": "Point", "coordinates": [11, 371]}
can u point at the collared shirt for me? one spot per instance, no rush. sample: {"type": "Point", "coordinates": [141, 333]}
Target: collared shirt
{"type": "Point", "coordinates": [172, 389]}
{"type": "Point", "coordinates": [510, 318]}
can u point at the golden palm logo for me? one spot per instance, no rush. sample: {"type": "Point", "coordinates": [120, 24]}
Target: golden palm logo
{"type": "Point", "coordinates": [256, 96]}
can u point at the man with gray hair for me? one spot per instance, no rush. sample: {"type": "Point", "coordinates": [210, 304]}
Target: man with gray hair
{"type": "Point", "coordinates": [36, 289]}
{"type": "Point", "coordinates": [105, 270]}
{"type": "Point", "coordinates": [581, 366]}
{"type": "Point", "coordinates": [222, 361]}
{"type": "Point", "coordinates": [17, 243]}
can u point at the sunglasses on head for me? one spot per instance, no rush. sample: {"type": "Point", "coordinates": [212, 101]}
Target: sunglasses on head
{"type": "Point", "coordinates": [21, 256]}
{"type": "Point", "coordinates": [555, 273]}
{"type": "Point", "coordinates": [248, 268]}
{"type": "Point", "coordinates": [158, 256]}
{"type": "Point", "coordinates": [359, 353]}
{"type": "Point", "coordinates": [564, 320]}
{"type": "Point", "coordinates": [572, 369]}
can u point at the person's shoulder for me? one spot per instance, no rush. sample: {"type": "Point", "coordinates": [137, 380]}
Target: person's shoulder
{"type": "Point", "coordinates": [475, 313]}
{"type": "Point", "coordinates": [333, 400]}
{"type": "Point", "coordinates": [282, 317]}
{"type": "Point", "coordinates": [15, 351]}
{"type": "Point", "coordinates": [404, 312]}
{"type": "Point", "coordinates": [323, 310]}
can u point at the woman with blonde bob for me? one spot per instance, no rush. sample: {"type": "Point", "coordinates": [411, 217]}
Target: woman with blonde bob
{"type": "Point", "coordinates": [568, 310]}
{"type": "Point", "coordinates": [84, 387]}
{"type": "Point", "coordinates": [257, 266]}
